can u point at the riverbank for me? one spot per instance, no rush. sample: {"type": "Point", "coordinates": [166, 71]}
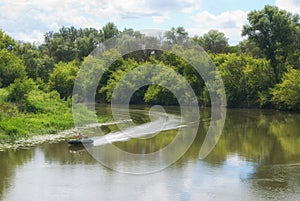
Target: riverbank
{"type": "Point", "coordinates": [40, 115]}
{"type": "Point", "coordinates": [27, 142]}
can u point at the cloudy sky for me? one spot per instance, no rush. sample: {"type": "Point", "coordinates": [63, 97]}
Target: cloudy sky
{"type": "Point", "coordinates": [28, 20]}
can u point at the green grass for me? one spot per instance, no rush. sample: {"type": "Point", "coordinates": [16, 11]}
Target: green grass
{"type": "Point", "coordinates": [3, 95]}
{"type": "Point", "coordinates": [42, 113]}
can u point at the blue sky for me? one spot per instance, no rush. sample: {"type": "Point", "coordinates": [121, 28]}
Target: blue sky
{"type": "Point", "coordinates": [28, 20]}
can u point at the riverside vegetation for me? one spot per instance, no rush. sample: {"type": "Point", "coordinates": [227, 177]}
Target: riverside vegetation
{"type": "Point", "coordinates": [36, 81]}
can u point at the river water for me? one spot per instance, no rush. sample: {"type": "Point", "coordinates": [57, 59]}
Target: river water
{"type": "Point", "coordinates": [257, 157]}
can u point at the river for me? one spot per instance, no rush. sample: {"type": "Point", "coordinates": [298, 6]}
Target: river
{"type": "Point", "coordinates": [257, 157]}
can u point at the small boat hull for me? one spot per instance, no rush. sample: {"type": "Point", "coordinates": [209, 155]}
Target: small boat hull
{"type": "Point", "coordinates": [81, 142]}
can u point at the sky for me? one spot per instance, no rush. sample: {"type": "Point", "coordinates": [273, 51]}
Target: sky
{"type": "Point", "coordinates": [29, 20]}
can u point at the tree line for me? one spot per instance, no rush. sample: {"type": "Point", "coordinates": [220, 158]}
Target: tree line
{"type": "Point", "coordinates": [262, 71]}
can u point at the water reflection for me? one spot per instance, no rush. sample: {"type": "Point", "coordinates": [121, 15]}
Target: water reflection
{"type": "Point", "coordinates": [257, 158]}
{"type": "Point", "coordinates": [9, 162]}
{"type": "Point", "coordinates": [63, 154]}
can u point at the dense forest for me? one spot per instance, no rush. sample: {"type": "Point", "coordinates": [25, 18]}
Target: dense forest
{"type": "Point", "coordinates": [36, 81]}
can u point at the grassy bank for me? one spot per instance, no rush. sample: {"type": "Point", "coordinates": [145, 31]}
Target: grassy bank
{"type": "Point", "coordinates": [42, 113]}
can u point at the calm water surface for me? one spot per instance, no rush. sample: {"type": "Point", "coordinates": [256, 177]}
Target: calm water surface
{"type": "Point", "coordinates": [257, 158]}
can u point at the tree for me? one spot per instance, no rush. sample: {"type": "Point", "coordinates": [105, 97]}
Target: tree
{"type": "Point", "coordinates": [63, 77]}
{"type": "Point", "coordinates": [19, 90]}
{"type": "Point", "coordinates": [61, 45]}
{"type": "Point", "coordinates": [38, 65]}
{"type": "Point", "coordinates": [116, 75]}
{"type": "Point", "coordinates": [71, 43]}
{"type": "Point", "coordinates": [29, 54]}
{"type": "Point", "coordinates": [11, 68]}
{"type": "Point", "coordinates": [250, 48]}
{"type": "Point", "coordinates": [110, 30]}
{"type": "Point", "coordinates": [45, 66]}
{"type": "Point", "coordinates": [213, 42]}
{"type": "Point", "coordinates": [286, 95]}
{"type": "Point", "coordinates": [293, 59]}
{"type": "Point", "coordinates": [176, 35]}
{"type": "Point", "coordinates": [275, 33]}
{"type": "Point", "coordinates": [246, 79]}
{"type": "Point", "coordinates": [6, 42]}
{"type": "Point", "coordinates": [131, 32]}
{"type": "Point", "coordinates": [87, 40]}
{"type": "Point", "coordinates": [184, 68]}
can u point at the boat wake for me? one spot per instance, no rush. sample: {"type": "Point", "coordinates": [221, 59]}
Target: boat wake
{"type": "Point", "coordinates": [162, 122]}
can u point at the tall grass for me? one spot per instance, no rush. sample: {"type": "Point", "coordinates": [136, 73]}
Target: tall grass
{"type": "Point", "coordinates": [41, 113]}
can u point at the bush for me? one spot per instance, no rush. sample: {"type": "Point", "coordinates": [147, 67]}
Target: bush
{"type": "Point", "coordinates": [11, 68]}
{"type": "Point", "coordinates": [19, 90]}
{"type": "Point", "coordinates": [286, 95]}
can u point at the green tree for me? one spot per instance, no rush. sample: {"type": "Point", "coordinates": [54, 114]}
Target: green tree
{"type": "Point", "coordinates": [259, 78]}
{"type": "Point", "coordinates": [87, 40]}
{"type": "Point", "coordinates": [246, 79]}
{"type": "Point", "coordinates": [214, 42]}
{"type": "Point", "coordinates": [110, 30]}
{"type": "Point", "coordinates": [19, 90]}
{"type": "Point", "coordinates": [115, 77]}
{"type": "Point", "coordinates": [29, 54]}
{"type": "Point", "coordinates": [71, 43]}
{"type": "Point", "coordinates": [185, 69]}
{"type": "Point", "coordinates": [38, 65]}
{"type": "Point", "coordinates": [250, 48]}
{"type": "Point", "coordinates": [176, 35]}
{"type": "Point", "coordinates": [60, 46]}
{"type": "Point", "coordinates": [275, 33]}
{"type": "Point", "coordinates": [45, 66]}
{"type": "Point", "coordinates": [131, 32]}
{"type": "Point", "coordinates": [63, 77]}
{"type": "Point", "coordinates": [6, 42]}
{"type": "Point", "coordinates": [293, 58]}
{"type": "Point", "coordinates": [11, 68]}
{"type": "Point", "coordinates": [145, 46]}
{"type": "Point", "coordinates": [286, 95]}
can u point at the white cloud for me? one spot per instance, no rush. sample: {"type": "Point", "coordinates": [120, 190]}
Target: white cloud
{"type": "Point", "coordinates": [160, 19]}
{"type": "Point", "coordinates": [54, 26]}
{"type": "Point", "coordinates": [11, 11]}
{"type": "Point", "coordinates": [24, 16]}
{"type": "Point", "coordinates": [289, 5]}
{"type": "Point", "coordinates": [230, 23]}
{"type": "Point", "coordinates": [193, 5]}
{"type": "Point", "coordinates": [174, 5]}
{"type": "Point", "coordinates": [34, 36]}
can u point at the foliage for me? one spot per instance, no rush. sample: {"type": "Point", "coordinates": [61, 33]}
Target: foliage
{"type": "Point", "coordinates": [110, 30]}
{"type": "Point", "coordinates": [286, 95]}
{"type": "Point", "coordinates": [19, 90]}
{"type": "Point", "coordinates": [6, 42]}
{"type": "Point", "coordinates": [276, 33]}
{"type": "Point", "coordinates": [293, 58]}
{"type": "Point", "coordinates": [70, 43]}
{"type": "Point", "coordinates": [38, 65]}
{"type": "Point", "coordinates": [213, 42]}
{"type": "Point", "coordinates": [250, 48]}
{"type": "Point", "coordinates": [36, 81]}
{"type": "Point", "coordinates": [63, 77]}
{"type": "Point", "coordinates": [176, 35]}
{"type": "Point", "coordinates": [56, 116]}
{"type": "Point", "coordinates": [11, 68]}
{"type": "Point", "coordinates": [116, 76]}
{"type": "Point", "coordinates": [245, 78]}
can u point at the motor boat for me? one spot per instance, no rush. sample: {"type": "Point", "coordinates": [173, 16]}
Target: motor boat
{"type": "Point", "coordinates": [83, 141]}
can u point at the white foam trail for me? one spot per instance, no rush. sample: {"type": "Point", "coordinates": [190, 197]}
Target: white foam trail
{"type": "Point", "coordinates": [162, 123]}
